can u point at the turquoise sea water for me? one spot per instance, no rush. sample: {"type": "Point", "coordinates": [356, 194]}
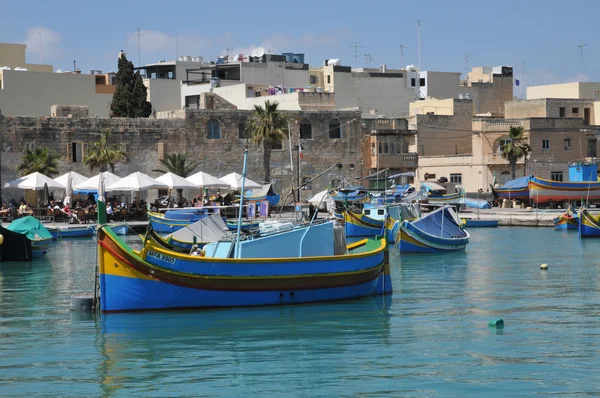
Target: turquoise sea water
{"type": "Point", "coordinates": [430, 338]}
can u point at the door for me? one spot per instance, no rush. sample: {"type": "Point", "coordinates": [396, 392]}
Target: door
{"type": "Point", "coordinates": [586, 116]}
{"type": "Point", "coordinates": [592, 148]}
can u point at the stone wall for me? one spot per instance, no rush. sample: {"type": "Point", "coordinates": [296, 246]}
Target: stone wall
{"type": "Point", "coordinates": [186, 131]}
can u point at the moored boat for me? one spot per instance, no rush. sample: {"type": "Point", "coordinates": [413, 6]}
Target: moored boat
{"type": "Point", "coordinates": [76, 231]}
{"type": "Point", "coordinates": [174, 220]}
{"type": "Point", "coordinates": [589, 224]}
{"type": "Point", "coordinates": [120, 229]}
{"type": "Point", "coordinates": [544, 191]}
{"type": "Point", "coordinates": [517, 189]}
{"type": "Point", "coordinates": [438, 231]}
{"type": "Point", "coordinates": [234, 275]}
{"type": "Point", "coordinates": [371, 222]}
{"type": "Point", "coordinates": [35, 231]}
{"type": "Point", "coordinates": [569, 220]}
{"type": "Point", "coordinates": [479, 223]}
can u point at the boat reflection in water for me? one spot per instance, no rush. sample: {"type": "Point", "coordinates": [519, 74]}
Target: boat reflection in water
{"type": "Point", "coordinates": [234, 348]}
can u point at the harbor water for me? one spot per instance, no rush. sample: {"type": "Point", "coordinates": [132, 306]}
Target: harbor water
{"type": "Point", "coordinates": [430, 338]}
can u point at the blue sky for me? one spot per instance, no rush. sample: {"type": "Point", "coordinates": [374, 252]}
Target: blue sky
{"type": "Point", "coordinates": [543, 34]}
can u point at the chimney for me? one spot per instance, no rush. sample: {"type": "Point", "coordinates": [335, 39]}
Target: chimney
{"type": "Point", "coordinates": [383, 68]}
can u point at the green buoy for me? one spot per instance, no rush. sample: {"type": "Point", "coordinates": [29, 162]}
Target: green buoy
{"type": "Point", "coordinates": [498, 323]}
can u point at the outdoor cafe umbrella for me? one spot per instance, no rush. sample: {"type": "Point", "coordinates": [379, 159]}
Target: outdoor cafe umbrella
{"type": "Point", "coordinates": [234, 180]}
{"type": "Point", "coordinates": [34, 181]}
{"type": "Point", "coordinates": [69, 194]}
{"type": "Point", "coordinates": [136, 182]}
{"type": "Point", "coordinates": [173, 181]}
{"type": "Point", "coordinates": [76, 178]}
{"type": "Point", "coordinates": [205, 180]}
{"type": "Point", "coordinates": [91, 184]}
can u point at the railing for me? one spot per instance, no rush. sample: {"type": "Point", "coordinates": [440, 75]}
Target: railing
{"type": "Point", "coordinates": [399, 160]}
{"type": "Point", "coordinates": [385, 124]}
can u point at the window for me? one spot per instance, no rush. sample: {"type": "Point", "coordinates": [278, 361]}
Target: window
{"type": "Point", "coordinates": [313, 79]}
{"type": "Point", "coordinates": [306, 183]}
{"type": "Point", "coordinates": [305, 129]}
{"type": "Point", "coordinates": [392, 149]}
{"type": "Point", "coordinates": [592, 148]}
{"type": "Point", "coordinates": [30, 146]}
{"type": "Point", "coordinates": [556, 176]}
{"type": "Point", "coordinates": [385, 148]}
{"type": "Point", "coordinates": [561, 112]}
{"type": "Point", "coordinates": [380, 148]}
{"type": "Point", "coordinates": [75, 152]}
{"type": "Point", "coordinates": [575, 111]}
{"type": "Point", "coordinates": [161, 150]}
{"type": "Point", "coordinates": [422, 82]}
{"type": "Point", "coordinates": [567, 144]}
{"type": "Point", "coordinates": [242, 132]}
{"type": "Point", "coordinates": [545, 144]}
{"type": "Point", "coordinates": [277, 146]}
{"type": "Point", "coordinates": [380, 212]}
{"type": "Point", "coordinates": [413, 81]}
{"type": "Point", "coordinates": [373, 149]}
{"type": "Point", "coordinates": [501, 143]}
{"type": "Point", "coordinates": [328, 79]}
{"type": "Point", "coordinates": [456, 178]}
{"type": "Point", "coordinates": [213, 128]}
{"type": "Point", "coordinates": [192, 102]}
{"type": "Point", "coordinates": [335, 129]}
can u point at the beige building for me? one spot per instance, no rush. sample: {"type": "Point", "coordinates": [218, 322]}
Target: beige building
{"type": "Point", "coordinates": [554, 142]}
{"type": "Point", "coordinates": [443, 126]}
{"type": "Point", "coordinates": [553, 108]}
{"type": "Point", "coordinates": [575, 90]}
{"type": "Point", "coordinates": [31, 90]}
{"type": "Point", "coordinates": [12, 56]}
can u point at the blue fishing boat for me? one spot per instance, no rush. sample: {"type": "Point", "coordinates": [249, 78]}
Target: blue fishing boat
{"type": "Point", "coordinates": [517, 189]}
{"type": "Point", "coordinates": [349, 195]}
{"type": "Point", "coordinates": [436, 232]}
{"type": "Point", "coordinates": [589, 224]}
{"type": "Point", "coordinates": [80, 231]}
{"type": "Point", "coordinates": [35, 231]}
{"type": "Point", "coordinates": [297, 266]}
{"type": "Point", "coordinates": [120, 229]}
{"type": "Point", "coordinates": [569, 220]}
{"type": "Point", "coordinates": [209, 229]}
{"type": "Point", "coordinates": [371, 222]}
{"type": "Point", "coordinates": [174, 220]}
{"type": "Point", "coordinates": [437, 194]}
{"type": "Point", "coordinates": [478, 223]}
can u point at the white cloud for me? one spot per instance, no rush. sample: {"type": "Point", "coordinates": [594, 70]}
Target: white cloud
{"type": "Point", "coordinates": [50, 43]}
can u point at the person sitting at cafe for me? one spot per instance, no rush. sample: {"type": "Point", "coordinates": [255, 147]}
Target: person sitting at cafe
{"type": "Point", "coordinates": [22, 208]}
{"type": "Point", "coordinates": [67, 210]}
{"type": "Point", "coordinates": [110, 210]}
{"type": "Point", "coordinates": [4, 209]}
{"type": "Point", "coordinates": [219, 198]}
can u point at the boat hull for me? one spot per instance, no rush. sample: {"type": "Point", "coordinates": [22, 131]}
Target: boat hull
{"type": "Point", "coordinates": [589, 226]}
{"type": "Point", "coordinates": [454, 199]}
{"type": "Point", "coordinates": [128, 283]}
{"type": "Point", "coordinates": [413, 240]}
{"type": "Point", "coordinates": [543, 191]}
{"type": "Point", "coordinates": [121, 229]}
{"type": "Point", "coordinates": [564, 223]}
{"type": "Point", "coordinates": [470, 223]}
{"type": "Point", "coordinates": [359, 225]}
{"type": "Point", "coordinates": [74, 232]}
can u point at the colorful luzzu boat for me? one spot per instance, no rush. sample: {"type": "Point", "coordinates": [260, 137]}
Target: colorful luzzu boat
{"type": "Point", "coordinates": [257, 274]}
{"type": "Point", "coordinates": [589, 225]}
{"type": "Point", "coordinates": [174, 220]}
{"type": "Point", "coordinates": [569, 220]}
{"type": "Point", "coordinates": [364, 224]}
{"type": "Point", "coordinates": [517, 189]}
{"type": "Point", "coordinates": [436, 232]}
{"type": "Point", "coordinates": [544, 191]}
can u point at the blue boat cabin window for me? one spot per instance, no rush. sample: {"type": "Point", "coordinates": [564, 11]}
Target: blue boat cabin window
{"type": "Point", "coordinates": [214, 129]}
{"type": "Point", "coordinates": [335, 129]}
{"type": "Point", "coordinates": [305, 129]}
{"type": "Point", "coordinates": [380, 212]}
{"type": "Point", "coordinates": [367, 212]}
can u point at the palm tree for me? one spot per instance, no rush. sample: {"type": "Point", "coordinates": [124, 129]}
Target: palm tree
{"type": "Point", "coordinates": [102, 155]}
{"type": "Point", "coordinates": [267, 126]}
{"type": "Point", "coordinates": [514, 148]}
{"type": "Point", "coordinates": [41, 160]}
{"type": "Point", "coordinates": [179, 164]}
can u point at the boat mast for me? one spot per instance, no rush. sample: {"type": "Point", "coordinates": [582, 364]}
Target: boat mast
{"type": "Point", "coordinates": [239, 226]}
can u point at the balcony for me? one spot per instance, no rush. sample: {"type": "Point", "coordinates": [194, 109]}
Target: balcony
{"type": "Point", "coordinates": [385, 125]}
{"type": "Point", "coordinates": [497, 159]}
{"type": "Point", "coordinates": [396, 161]}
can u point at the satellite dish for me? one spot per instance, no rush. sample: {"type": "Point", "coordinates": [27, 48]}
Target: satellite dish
{"type": "Point", "coordinates": [259, 52]}
{"type": "Point", "coordinates": [236, 58]}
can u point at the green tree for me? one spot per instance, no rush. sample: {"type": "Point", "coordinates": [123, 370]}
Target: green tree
{"type": "Point", "coordinates": [102, 154]}
{"type": "Point", "coordinates": [514, 148]}
{"type": "Point", "coordinates": [41, 160]}
{"type": "Point", "coordinates": [267, 126]}
{"type": "Point", "coordinates": [129, 99]}
{"type": "Point", "coordinates": [178, 164]}
{"type": "Point", "coordinates": [142, 107]}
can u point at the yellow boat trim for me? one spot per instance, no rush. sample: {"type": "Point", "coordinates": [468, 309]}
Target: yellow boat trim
{"type": "Point", "coordinates": [357, 244]}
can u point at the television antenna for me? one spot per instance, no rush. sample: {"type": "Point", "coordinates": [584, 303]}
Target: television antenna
{"type": "Point", "coordinates": [356, 45]}
{"type": "Point", "coordinates": [467, 59]}
{"type": "Point", "coordinates": [137, 28]}
{"type": "Point", "coordinates": [369, 59]}
{"type": "Point", "coordinates": [580, 51]}
{"type": "Point", "coordinates": [402, 47]}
